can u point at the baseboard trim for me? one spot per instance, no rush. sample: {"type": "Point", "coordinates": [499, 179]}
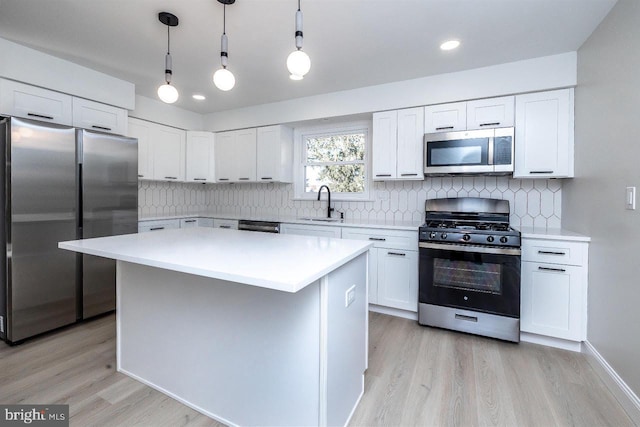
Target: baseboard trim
{"type": "Point", "coordinates": [551, 341]}
{"type": "Point", "coordinates": [394, 312]}
{"type": "Point", "coordinates": [627, 398]}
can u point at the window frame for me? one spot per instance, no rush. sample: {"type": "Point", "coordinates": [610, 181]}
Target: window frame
{"type": "Point", "coordinates": [299, 151]}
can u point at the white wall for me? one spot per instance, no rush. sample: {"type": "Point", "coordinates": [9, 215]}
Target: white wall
{"type": "Point", "coordinates": [531, 75]}
{"type": "Point", "coordinates": [157, 111]}
{"type": "Point", "coordinates": [607, 152]}
{"type": "Point", "coordinates": [27, 65]}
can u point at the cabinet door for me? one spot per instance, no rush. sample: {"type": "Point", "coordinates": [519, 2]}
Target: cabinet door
{"type": "Point", "coordinates": [445, 117]}
{"type": "Point", "coordinates": [398, 279]}
{"type": "Point", "coordinates": [245, 156]}
{"type": "Point", "coordinates": [30, 102]}
{"type": "Point", "coordinates": [168, 153]}
{"type": "Point", "coordinates": [311, 230]}
{"type": "Point", "coordinates": [410, 156]}
{"type": "Point", "coordinates": [200, 157]}
{"type": "Point", "coordinates": [373, 275]}
{"type": "Point", "coordinates": [490, 113]}
{"type": "Point", "coordinates": [384, 145]}
{"type": "Point", "coordinates": [224, 156]}
{"type": "Point", "coordinates": [544, 135]}
{"type": "Point", "coordinates": [142, 131]}
{"type": "Point", "coordinates": [552, 301]}
{"type": "Point", "coordinates": [274, 158]}
{"type": "Point", "coordinates": [188, 222]}
{"type": "Point", "coordinates": [100, 117]}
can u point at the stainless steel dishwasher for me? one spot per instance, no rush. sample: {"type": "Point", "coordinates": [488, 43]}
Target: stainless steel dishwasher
{"type": "Point", "coordinates": [263, 226]}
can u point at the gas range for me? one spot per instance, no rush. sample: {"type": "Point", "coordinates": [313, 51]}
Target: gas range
{"type": "Point", "coordinates": [469, 221]}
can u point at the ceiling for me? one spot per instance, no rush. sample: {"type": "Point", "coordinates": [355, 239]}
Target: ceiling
{"type": "Point", "coordinates": [352, 43]}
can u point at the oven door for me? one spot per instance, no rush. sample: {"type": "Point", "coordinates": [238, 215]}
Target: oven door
{"type": "Point", "coordinates": [471, 277]}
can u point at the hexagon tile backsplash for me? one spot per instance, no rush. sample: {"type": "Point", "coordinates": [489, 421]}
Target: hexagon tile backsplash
{"type": "Point", "coordinates": [533, 202]}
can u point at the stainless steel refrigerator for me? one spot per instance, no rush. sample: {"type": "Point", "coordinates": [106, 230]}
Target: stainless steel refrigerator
{"type": "Point", "coordinates": [60, 183]}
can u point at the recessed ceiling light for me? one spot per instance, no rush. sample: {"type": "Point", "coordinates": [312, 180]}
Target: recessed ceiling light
{"type": "Point", "coordinates": [199, 97]}
{"type": "Point", "coordinates": [450, 44]}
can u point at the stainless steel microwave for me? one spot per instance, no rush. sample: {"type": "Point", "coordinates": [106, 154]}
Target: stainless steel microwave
{"type": "Point", "coordinates": [485, 151]}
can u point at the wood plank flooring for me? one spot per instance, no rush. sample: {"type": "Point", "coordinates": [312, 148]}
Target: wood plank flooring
{"type": "Point", "coordinates": [417, 376]}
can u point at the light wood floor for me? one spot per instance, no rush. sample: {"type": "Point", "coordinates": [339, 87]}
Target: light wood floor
{"type": "Point", "coordinates": [417, 376]}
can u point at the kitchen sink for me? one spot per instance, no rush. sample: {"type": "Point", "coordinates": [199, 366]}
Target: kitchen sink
{"type": "Point", "coordinates": [320, 219]}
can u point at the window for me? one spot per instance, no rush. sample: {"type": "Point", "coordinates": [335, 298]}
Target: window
{"type": "Point", "coordinates": [336, 157]}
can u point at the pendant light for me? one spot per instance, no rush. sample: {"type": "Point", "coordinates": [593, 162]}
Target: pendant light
{"type": "Point", "coordinates": [298, 62]}
{"type": "Point", "coordinates": [223, 78]}
{"type": "Point", "coordinates": [166, 92]}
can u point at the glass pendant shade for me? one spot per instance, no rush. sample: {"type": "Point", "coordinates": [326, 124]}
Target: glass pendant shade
{"type": "Point", "coordinates": [168, 93]}
{"type": "Point", "coordinates": [224, 79]}
{"type": "Point", "coordinates": [298, 64]}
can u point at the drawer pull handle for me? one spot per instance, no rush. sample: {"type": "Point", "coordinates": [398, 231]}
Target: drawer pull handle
{"type": "Point", "coordinates": [559, 270]}
{"type": "Point", "coordinates": [199, 179]}
{"type": "Point", "coordinates": [170, 177]}
{"type": "Point", "coordinates": [266, 178]}
{"type": "Point", "coordinates": [100, 127]}
{"type": "Point", "coordinates": [243, 179]}
{"type": "Point", "coordinates": [225, 226]}
{"type": "Point", "coordinates": [140, 176]}
{"type": "Point", "coordinates": [490, 124]}
{"type": "Point", "coordinates": [467, 318]}
{"type": "Point", "coordinates": [156, 228]}
{"type": "Point", "coordinates": [534, 172]}
{"type": "Point", "coordinates": [377, 239]}
{"type": "Point", "coordinates": [551, 253]}
{"type": "Point", "coordinates": [396, 254]}
{"type": "Point", "coordinates": [190, 220]}
{"type": "Point", "coordinates": [384, 174]}
{"type": "Point", "coordinates": [41, 116]}
{"type": "Point", "coordinates": [223, 179]}
{"type": "Point", "coordinates": [444, 127]}
{"type": "Point", "coordinates": [408, 174]}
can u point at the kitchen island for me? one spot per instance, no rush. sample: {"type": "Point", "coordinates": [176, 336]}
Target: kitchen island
{"type": "Point", "coordinates": [247, 328]}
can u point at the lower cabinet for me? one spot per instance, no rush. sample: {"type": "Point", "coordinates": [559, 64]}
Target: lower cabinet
{"type": "Point", "coordinates": [393, 267]}
{"type": "Point", "coordinates": [156, 225]}
{"type": "Point", "coordinates": [311, 230]}
{"type": "Point", "coordinates": [554, 288]}
{"type": "Point", "coordinates": [225, 223]}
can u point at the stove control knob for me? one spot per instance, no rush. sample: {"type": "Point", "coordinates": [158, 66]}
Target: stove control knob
{"type": "Point", "coordinates": [443, 236]}
{"type": "Point", "coordinates": [490, 239]}
{"type": "Point", "coordinates": [432, 235]}
{"type": "Point", "coordinates": [503, 239]}
{"type": "Point", "coordinates": [466, 237]}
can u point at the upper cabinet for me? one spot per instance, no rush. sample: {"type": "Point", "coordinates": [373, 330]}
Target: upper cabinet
{"type": "Point", "coordinates": [544, 135]}
{"type": "Point", "coordinates": [100, 117]}
{"type": "Point", "coordinates": [274, 158]}
{"type": "Point", "coordinates": [478, 114]}
{"type": "Point", "coordinates": [397, 144]}
{"type": "Point", "coordinates": [200, 166]}
{"type": "Point", "coordinates": [161, 150]}
{"type": "Point", "coordinates": [30, 102]}
{"type": "Point", "coordinates": [235, 159]}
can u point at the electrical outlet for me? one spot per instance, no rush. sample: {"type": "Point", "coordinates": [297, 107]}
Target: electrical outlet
{"type": "Point", "coordinates": [2, 324]}
{"type": "Point", "coordinates": [631, 198]}
{"type": "Point", "coordinates": [350, 296]}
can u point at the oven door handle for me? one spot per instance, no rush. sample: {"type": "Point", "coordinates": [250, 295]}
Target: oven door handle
{"type": "Point", "coordinates": [470, 248]}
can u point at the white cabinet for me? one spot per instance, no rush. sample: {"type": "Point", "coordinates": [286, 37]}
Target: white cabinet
{"type": "Point", "coordinates": [189, 222]}
{"type": "Point", "coordinates": [544, 135]}
{"type": "Point", "coordinates": [554, 288]}
{"type": "Point", "coordinates": [141, 130]}
{"type": "Point", "coordinates": [397, 144]}
{"type": "Point", "coordinates": [225, 223]}
{"type": "Point", "coordinates": [200, 161]}
{"type": "Point", "coordinates": [311, 230]}
{"type": "Point", "coordinates": [100, 117]}
{"type": "Point", "coordinates": [479, 114]}
{"type": "Point", "coordinates": [22, 100]}
{"type": "Point", "coordinates": [156, 225]}
{"type": "Point", "coordinates": [274, 154]}
{"type": "Point", "coordinates": [235, 159]}
{"type": "Point", "coordinates": [445, 117]}
{"type": "Point", "coordinates": [393, 267]}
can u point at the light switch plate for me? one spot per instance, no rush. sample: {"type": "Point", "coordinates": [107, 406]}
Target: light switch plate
{"type": "Point", "coordinates": [631, 198]}
{"type": "Point", "coordinates": [350, 296]}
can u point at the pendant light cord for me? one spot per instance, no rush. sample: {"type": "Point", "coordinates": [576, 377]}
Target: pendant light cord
{"type": "Point", "coordinates": [224, 18]}
{"type": "Point", "coordinates": [168, 42]}
{"type": "Point", "coordinates": [298, 4]}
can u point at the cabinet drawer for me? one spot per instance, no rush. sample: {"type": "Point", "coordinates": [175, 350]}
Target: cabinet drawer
{"type": "Point", "coordinates": [30, 102]}
{"type": "Point", "coordinates": [156, 225]}
{"type": "Point", "coordinates": [382, 238]}
{"type": "Point", "coordinates": [226, 223]}
{"type": "Point", "coordinates": [554, 252]}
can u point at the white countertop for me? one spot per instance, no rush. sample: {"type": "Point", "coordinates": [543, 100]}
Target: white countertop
{"type": "Point", "coordinates": [274, 261]}
{"type": "Point", "coordinates": [361, 223]}
{"type": "Point", "coordinates": [552, 234]}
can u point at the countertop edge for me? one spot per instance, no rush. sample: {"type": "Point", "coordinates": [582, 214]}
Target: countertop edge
{"type": "Point", "coordinates": [552, 234]}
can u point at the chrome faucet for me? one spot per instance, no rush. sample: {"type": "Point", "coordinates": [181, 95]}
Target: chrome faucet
{"type": "Point", "coordinates": [329, 208]}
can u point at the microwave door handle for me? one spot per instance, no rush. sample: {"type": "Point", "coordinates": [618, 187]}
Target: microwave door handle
{"type": "Point", "coordinates": [490, 153]}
